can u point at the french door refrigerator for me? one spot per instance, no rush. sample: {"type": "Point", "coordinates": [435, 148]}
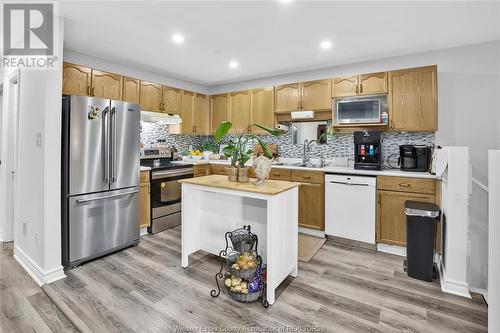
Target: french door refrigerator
{"type": "Point", "coordinates": [100, 177]}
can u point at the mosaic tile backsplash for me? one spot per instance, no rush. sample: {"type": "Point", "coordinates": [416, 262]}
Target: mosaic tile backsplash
{"type": "Point", "coordinates": [338, 145]}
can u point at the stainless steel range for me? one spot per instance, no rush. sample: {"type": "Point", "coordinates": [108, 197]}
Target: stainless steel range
{"type": "Point", "coordinates": [165, 188]}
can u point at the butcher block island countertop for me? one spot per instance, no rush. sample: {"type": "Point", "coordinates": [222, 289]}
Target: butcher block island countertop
{"type": "Point", "coordinates": [271, 187]}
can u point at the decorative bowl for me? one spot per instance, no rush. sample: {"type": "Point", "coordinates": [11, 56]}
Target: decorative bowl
{"type": "Point", "coordinates": [196, 157]}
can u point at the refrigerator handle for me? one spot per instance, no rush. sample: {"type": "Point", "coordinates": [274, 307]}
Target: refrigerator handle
{"type": "Point", "coordinates": [114, 172]}
{"type": "Point", "coordinates": [106, 144]}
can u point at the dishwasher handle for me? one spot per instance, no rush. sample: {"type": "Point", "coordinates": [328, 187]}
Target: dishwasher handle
{"type": "Point", "coordinates": [349, 184]}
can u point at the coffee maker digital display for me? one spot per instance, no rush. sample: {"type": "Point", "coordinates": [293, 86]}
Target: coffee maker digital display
{"type": "Point", "coordinates": [367, 150]}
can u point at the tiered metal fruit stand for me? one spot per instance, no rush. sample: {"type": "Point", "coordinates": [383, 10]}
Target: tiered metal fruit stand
{"type": "Point", "coordinates": [242, 273]}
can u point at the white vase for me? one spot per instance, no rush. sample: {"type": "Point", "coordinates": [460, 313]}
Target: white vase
{"type": "Point", "coordinates": [206, 154]}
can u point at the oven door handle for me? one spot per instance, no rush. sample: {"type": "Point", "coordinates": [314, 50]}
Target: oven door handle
{"type": "Point", "coordinates": [170, 173]}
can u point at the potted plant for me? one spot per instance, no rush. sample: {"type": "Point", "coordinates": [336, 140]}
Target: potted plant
{"type": "Point", "coordinates": [237, 148]}
{"type": "Point", "coordinates": [208, 148]}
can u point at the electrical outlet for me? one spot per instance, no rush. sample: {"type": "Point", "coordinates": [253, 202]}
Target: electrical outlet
{"type": "Point", "coordinates": [25, 228]}
{"type": "Point", "coordinates": [38, 139]}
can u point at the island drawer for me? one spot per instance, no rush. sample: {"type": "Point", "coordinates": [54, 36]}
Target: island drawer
{"type": "Point", "coordinates": [280, 174]}
{"type": "Point", "coordinates": [315, 177]}
{"type": "Point", "coordinates": [406, 184]}
{"type": "Point", "coordinates": [144, 176]}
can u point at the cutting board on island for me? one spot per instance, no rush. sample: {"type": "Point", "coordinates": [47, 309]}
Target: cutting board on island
{"type": "Point", "coordinates": [273, 148]}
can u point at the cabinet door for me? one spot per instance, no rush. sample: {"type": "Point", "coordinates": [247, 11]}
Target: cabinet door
{"type": "Point", "coordinates": [131, 90]}
{"type": "Point", "coordinates": [287, 98]}
{"type": "Point", "coordinates": [240, 109]}
{"type": "Point", "coordinates": [374, 83]}
{"type": "Point", "coordinates": [187, 112]}
{"type": "Point", "coordinates": [150, 96]}
{"type": "Point", "coordinates": [317, 95]}
{"type": "Point", "coordinates": [76, 79]}
{"type": "Point", "coordinates": [171, 100]}
{"type": "Point", "coordinates": [145, 205]}
{"type": "Point", "coordinates": [312, 206]}
{"type": "Point", "coordinates": [413, 99]}
{"type": "Point", "coordinates": [220, 106]}
{"type": "Point", "coordinates": [200, 114]}
{"type": "Point", "coordinates": [345, 86]}
{"type": "Point", "coordinates": [391, 219]}
{"type": "Point", "coordinates": [106, 85]}
{"type": "Point", "coordinates": [262, 108]}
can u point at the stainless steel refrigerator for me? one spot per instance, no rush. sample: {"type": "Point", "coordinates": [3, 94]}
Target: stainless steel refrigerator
{"type": "Point", "coordinates": [100, 177]}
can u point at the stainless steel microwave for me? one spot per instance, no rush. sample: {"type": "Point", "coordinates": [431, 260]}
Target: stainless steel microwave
{"type": "Point", "coordinates": [359, 109]}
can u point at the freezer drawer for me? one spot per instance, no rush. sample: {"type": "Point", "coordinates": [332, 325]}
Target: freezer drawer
{"type": "Point", "coordinates": [100, 223]}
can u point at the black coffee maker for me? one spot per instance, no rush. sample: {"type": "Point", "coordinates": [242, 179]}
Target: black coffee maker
{"type": "Point", "coordinates": [414, 158]}
{"type": "Point", "coordinates": [367, 150]}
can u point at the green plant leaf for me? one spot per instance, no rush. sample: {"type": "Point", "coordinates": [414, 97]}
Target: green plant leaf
{"type": "Point", "coordinates": [222, 130]}
{"type": "Point", "coordinates": [273, 131]}
{"type": "Point", "coordinates": [265, 150]}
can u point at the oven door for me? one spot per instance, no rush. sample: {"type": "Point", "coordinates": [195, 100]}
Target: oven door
{"type": "Point", "coordinates": [166, 190]}
{"type": "Point", "coordinates": [359, 110]}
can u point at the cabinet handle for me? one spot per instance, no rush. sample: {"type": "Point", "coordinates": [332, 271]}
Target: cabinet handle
{"type": "Point", "coordinates": [88, 90]}
{"type": "Point", "coordinates": [360, 88]}
{"type": "Point", "coordinates": [357, 88]}
{"type": "Point", "coordinates": [405, 185]}
{"type": "Point", "coordinates": [306, 177]}
{"type": "Point", "coordinates": [302, 105]}
{"type": "Point", "coordinates": [298, 105]}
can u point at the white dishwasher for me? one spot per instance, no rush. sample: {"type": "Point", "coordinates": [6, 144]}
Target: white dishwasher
{"type": "Point", "coordinates": [350, 207]}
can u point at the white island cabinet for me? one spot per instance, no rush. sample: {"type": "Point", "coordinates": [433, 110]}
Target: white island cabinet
{"type": "Point", "coordinates": [212, 206]}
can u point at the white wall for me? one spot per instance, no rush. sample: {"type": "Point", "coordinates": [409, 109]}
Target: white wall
{"type": "Point", "coordinates": [469, 115]}
{"type": "Point", "coordinates": [107, 65]}
{"type": "Point", "coordinates": [38, 203]}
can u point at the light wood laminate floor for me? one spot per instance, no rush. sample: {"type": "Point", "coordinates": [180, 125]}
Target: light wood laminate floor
{"type": "Point", "coordinates": [24, 307]}
{"type": "Point", "coordinates": [342, 289]}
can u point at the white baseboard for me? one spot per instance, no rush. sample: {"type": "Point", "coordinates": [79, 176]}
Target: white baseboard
{"type": "Point", "coordinates": [37, 274]}
{"type": "Point", "coordinates": [451, 286]}
{"type": "Point", "coordinates": [392, 249]}
{"type": "Point", "coordinates": [143, 231]}
{"type": "Point", "coordinates": [312, 232]}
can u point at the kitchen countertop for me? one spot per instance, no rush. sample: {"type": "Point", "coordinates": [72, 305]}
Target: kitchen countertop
{"type": "Point", "coordinates": [330, 169]}
{"type": "Point", "coordinates": [271, 187]}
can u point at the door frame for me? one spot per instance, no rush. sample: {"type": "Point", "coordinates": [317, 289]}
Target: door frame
{"type": "Point", "coordinates": [9, 138]}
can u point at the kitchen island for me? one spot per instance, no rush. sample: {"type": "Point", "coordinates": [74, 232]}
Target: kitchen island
{"type": "Point", "coordinates": [212, 206]}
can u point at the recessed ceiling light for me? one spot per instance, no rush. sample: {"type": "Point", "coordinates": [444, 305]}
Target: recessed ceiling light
{"type": "Point", "coordinates": [326, 44]}
{"type": "Point", "coordinates": [233, 64]}
{"type": "Point", "coordinates": [178, 38]}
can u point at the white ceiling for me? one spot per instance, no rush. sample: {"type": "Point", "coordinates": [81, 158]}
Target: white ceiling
{"type": "Point", "coordinates": [268, 37]}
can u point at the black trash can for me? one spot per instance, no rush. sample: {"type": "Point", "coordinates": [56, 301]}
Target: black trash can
{"type": "Point", "coordinates": [420, 233]}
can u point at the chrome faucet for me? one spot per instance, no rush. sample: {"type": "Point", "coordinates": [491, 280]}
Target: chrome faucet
{"type": "Point", "coordinates": [306, 150]}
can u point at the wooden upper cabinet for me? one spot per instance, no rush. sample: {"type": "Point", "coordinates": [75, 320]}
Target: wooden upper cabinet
{"type": "Point", "coordinates": [413, 99]}
{"type": "Point", "coordinates": [76, 79]}
{"type": "Point", "coordinates": [374, 83]}
{"type": "Point", "coordinates": [131, 90]}
{"type": "Point", "coordinates": [220, 108]}
{"type": "Point", "coordinates": [200, 114]}
{"type": "Point", "coordinates": [106, 85]}
{"type": "Point", "coordinates": [262, 108]}
{"type": "Point", "coordinates": [240, 108]}
{"type": "Point", "coordinates": [317, 95]}
{"type": "Point", "coordinates": [345, 86]}
{"type": "Point", "coordinates": [287, 97]}
{"type": "Point", "coordinates": [150, 96]}
{"type": "Point", "coordinates": [187, 112]}
{"type": "Point", "coordinates": [171, 100]}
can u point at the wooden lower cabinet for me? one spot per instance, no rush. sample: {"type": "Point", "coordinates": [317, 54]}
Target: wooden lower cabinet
{"type": "Point", "coordinates": [200, 170]}
{"type": "Point", "coordinates": [391, 219]}
{"type": "Point", "coordinates": [312, 206]}
{"type": "Point", "coordinates": [218, 169]}
{"type": "Point", "coordinates": [144, 200]}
